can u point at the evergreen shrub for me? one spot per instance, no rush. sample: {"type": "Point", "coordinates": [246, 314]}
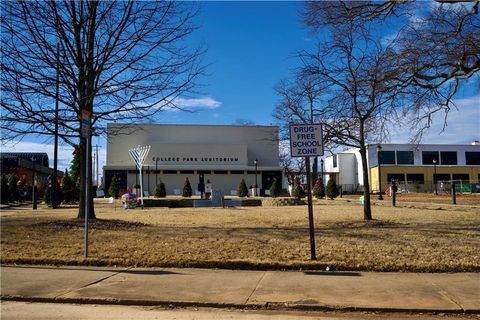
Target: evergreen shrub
{"type": "Point", "coordinates": [160, 190]}
{"type": "Point", "coordinates": [275, 188]}
{"type": "Point", "coordinates": [242, 190]}
{"type": "Point", "coordinates": [332, 189]}
{"type": "Point", "coordinates": [297, 190]}
{"type": "Point", "coordinates": [187, 189]}
{"type": "Point", "coordinates": [319, 189]}
{"type": "Point", "coordinates": [114, 188]}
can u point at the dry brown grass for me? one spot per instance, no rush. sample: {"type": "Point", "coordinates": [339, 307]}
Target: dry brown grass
{"type": "Point", "coordinates": [423, 238]}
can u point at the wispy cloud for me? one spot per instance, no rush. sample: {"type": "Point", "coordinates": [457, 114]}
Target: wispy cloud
{"type": "Point", "coordinates": [389, 40]}
{"type": "Point", "coordinates": [176, 104]}
{"type": "Point", "coordinates": [463, 125]}
{"type": "Point", "coordinates": [207, 103]}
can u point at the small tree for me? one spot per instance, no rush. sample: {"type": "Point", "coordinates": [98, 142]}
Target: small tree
{"type": "Point", "coordinates": [68, 188]}
{"type": "Point", "coordinates": [242, 190]}
{"type": "Point", "coordinates": [319, 189]}
{"type": "Point", "coordinates": [13, 194]}
{"type": "Point", "coordinates": [4, 190]}
{"type": "Point", "coordinates": [187, 189]}
{"type": "Point", "coordinates": [160, 190]}
{"type": "Point", "coordinates": [47, 197]}
{"type": "Point", "coordinates": [332, 189]}
{"type": "Point", "coordinates": [75, 168]}
{"type": "Point", "coordinates": [113, 189]}
{"type": "Point", "coordinates": [297, 190]}
{"type": "Point", "coordinates": [275, 188]}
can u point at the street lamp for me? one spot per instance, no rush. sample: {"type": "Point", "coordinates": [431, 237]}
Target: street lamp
{"type": "Point", "coordinates": [156, 169]}
{"type": "Point", "coordinates": [256, 186]}
{"type": "Point", "coordinates": [435, 175]}
{"type": "Point", "coordinates": [148, 182]}
{"type": "Point", "coordinates": [321, 167]}
{"type": "Point", "coordinates": [379, 159]}
{"type": "Point", "coordinates": [34, 194]}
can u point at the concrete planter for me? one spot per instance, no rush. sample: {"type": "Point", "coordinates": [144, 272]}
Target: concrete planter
{"type": "Point", "coordinates": [253, 193]}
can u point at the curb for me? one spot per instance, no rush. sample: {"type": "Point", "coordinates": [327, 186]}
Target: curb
{"type": "Point", "coordinates": [249, 306]}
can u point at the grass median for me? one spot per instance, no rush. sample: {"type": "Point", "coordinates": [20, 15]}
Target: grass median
{"type": "Point", "coordinates": [413, 238]}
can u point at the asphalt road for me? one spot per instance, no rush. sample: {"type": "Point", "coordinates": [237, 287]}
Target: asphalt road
{"type": "Point", "coordinates": [11, 310]}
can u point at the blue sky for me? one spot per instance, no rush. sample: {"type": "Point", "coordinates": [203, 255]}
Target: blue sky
{"type": "Point", "coordinates": [251, 46]}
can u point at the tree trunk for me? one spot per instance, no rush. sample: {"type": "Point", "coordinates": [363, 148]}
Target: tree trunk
{"type": "Point", "coordinates": [314, 171]}
{"type": "Point", "coordinates": [367, 209]}
{"type": "Point", "coordinates": [84, 156]}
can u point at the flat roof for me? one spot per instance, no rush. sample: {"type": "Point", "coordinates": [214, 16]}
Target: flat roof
{"type": "Point", "coordinates": [421, 144]}
{"type": "Point", "coordinates": [189, 125]}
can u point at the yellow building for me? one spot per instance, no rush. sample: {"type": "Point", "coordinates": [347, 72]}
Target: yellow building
{"type": "Point", "coordinates": [416, 168]}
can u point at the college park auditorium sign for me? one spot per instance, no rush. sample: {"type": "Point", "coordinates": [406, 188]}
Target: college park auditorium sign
{"type": "Point", "coordinates": [198, 159]}
{"type": "Point", "coordinates": [175, 154]}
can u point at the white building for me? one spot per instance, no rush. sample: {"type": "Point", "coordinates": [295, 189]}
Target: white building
{"type": "Point", "coordinates": [222, 154]}
{"type": "Point", "coordinates": [407, 164]}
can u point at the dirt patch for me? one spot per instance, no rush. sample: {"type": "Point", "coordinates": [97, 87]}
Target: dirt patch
{"type": "Point", "coordinates": [95, 224]}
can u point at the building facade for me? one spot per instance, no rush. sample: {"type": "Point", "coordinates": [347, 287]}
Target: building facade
{"type": "Point", "coordinates": [222, 154]}
{"type": "Point", "coordinates": [21, 165]}
{"type": "Point", "coordinates": [417, 168]}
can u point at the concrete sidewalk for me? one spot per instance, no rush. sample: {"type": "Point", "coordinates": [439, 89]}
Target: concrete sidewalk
{"type": "Point", "coordinates": [414, 292]}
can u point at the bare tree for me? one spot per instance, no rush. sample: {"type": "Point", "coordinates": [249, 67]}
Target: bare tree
{"type": "Point", "coordinates": [298, 99]}
{"type": "Point", "coordinates": [292, 167]}
{"type": "Point", "coordinates": [122, 61]}
{"type": "Point", "coordinates": [435, 50]}
{"type": "Point", "coordinates": [370, 83]}
{"type": "Point", "coordinates": [363, 92]}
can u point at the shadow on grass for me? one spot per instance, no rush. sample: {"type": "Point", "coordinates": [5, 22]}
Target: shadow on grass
{"type": "Point", "coordinates": [97, 224]}
{"type": "Point", "coordinates": [372, 230]}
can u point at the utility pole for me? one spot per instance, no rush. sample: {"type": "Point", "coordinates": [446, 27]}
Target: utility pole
{"type": "Point", "coordinates": [96, 151]}
{"type": "Point", "coordinates": [94, 168]}
{"type": "Point", "coordinates": [55, 148]}
{"type": "Point", "coordinates": [34, 185]}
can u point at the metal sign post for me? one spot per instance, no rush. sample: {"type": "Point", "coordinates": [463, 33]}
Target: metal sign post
{"type": "Point", "coordinates": [306, 140]}
{"type": "Point", "coordinates": [139, 154]}
{"type": "Point", "coordinates": [85, 133]}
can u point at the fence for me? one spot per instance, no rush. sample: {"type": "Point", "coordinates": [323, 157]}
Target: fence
{"type": "Point", "coordinates": [461, 186]}
{"type": "Point", "coordinates": [350, 188]}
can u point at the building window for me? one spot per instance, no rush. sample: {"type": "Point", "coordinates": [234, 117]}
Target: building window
{"type": "Point", "coordinates": [400, 177]}
{"type": "Point", "coordinates": [415, 177]}
{"type": "Point", "coordinates": [220, 171]}
{"type": "Point", "coordinates": [237, 172]}
{"type": "Point", "coordinates": [429, 156]}
{"type": "Point", "coordinates": [464, 177]}
{"type": "Point", "coordinates": [169, 171]}
{"type": "Point", "coordinates": [442, 177]}
{"type": "Point", "coordinates": [187, 172]}
{"type": "Point", "coordinates": [404, 157]}
{"type": "Point", "coordinates": [335, 164]}
{"type": "Point", "coordinates": [472, 158]}
{"type": "Point", "coordinates": [448, 157]}
{"type": "Point", "coordinates": [204, 171]}
{"type": "Point", "coordinates": [387, 157]}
